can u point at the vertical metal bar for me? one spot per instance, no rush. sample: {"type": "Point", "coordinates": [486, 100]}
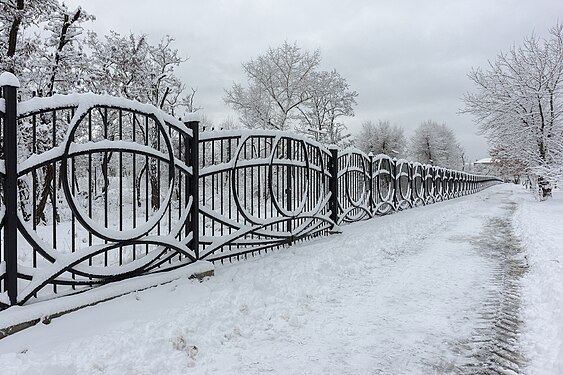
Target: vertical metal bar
{"type": "Point", "coordinates": [229, 190]}
{"type": "Point", "coordinates": [396, 182]}
{"type": "Point", "coordinates": [148, 204]}
{"type": "Point", "coordinates": [371, 192]}
{"type": "Point", "coordinates": [174, 174]}
{"type": "Point", "coordinates": [184, 157]}
{"type": "Point", "coordinates": [54, 195]}
{"type": "Point", "coordinates": [135, 187]}
{"type": "Point", "coordinates": [10, 191]}
{"type": "Point", "coordinates": [106, 182]}
{"type": "Point", "coordinates": [120, 113]}
{"type": "Point", "coordinates": [222, 160]}
{"type": "Point", "coordinates": [203, 180]}
{"type": "Point", "coordinates": [73, 216]}
{"type": "Point", "coordinates": [90, 181]}
{"type": "Point", "coordinates": [278, 186]}
{"type": "Point", "coordinates": [34, 187]}
{"type": "Point", "coordinates": [194, 186]}
{"type": "Point", "coordinates": [343, 183]}
{"type": "Point", "coordinates": [288, 185]}
{"type": "Point", "coordinates": [333, 184]}
{"type": "Point", "coordinates": [158, 171]}
{"type": "Point", "coordinates": [244, 180]}
{"type": "Point", "coordinates": [213, 191]}
{"type": "Point", "coordinates": [259, 176]}
{"type": "Point", "coordinates": [251, 178]}
{"type": "Point", "coordinates": [186, 148]}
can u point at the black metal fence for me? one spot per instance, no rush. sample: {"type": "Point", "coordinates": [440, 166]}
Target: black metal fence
{"type": "Point", "coordinates": [97, 189]}
{"type": "Point", "coordinates": [260, 190]}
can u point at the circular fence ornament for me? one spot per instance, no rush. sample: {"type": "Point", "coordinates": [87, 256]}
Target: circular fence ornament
{"type": "Point", "coordinates": [385, 184]}
{"type": "Point", "coordinates": [72, 149]}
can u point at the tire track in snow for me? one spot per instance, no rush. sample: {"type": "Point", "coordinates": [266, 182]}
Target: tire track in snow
{"type": "Point", "coordinates": [493, 349]}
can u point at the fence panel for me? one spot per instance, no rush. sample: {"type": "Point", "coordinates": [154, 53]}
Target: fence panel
{"type": "Point", "coordinates": [103, 193]}
{"type": "Point", "coordinates": [354, 186]}
{"type": "Point", "coordinates": [260, 190]}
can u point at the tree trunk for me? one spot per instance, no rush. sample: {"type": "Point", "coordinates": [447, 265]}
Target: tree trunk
{"type": "Point", "coordinates": [13, 34]}
{"type": "Point", "coordinates": [544, 188]}
{"type": "Point", "coordinates": [40, 213]}
{"type": "Point", "coordinates": [155, 192]}
{"type": "Point", "coordinates": [23, 190]}
{"type": "Point", "coordinates": [105, 170]}
{"type": "Point", "coordinates": [138, 185]}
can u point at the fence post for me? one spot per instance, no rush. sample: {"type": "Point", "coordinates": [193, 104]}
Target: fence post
{"type": "Point", "coordinates": [288, 189]}
{"type": "Point", "coordinates": [333, 184]}
{"type": "Point", "coordinates": [371, 192]}
{"type": "Point", "coordinates": [9, 84]}
{"type": "Point", "coordinates": [396, 182]}
{"type": "Point", "coordinates": [193, 186]}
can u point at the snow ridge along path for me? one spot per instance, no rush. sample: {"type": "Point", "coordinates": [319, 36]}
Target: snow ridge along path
{"type": "Point", "coordinates": [425, 291]}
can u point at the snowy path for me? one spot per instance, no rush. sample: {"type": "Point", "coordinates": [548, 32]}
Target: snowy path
{"type": "Point", "coordinates": [417, 292]}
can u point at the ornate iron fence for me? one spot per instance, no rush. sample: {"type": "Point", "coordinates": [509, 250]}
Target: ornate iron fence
{"type": "Point", "coordinates": [264, 189]}
{"type": "Point", "coordinates": [97, 189]}
{"type": "Point", "coordinates": [260, 190]}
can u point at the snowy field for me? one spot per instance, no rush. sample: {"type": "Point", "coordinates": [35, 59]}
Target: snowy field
{"type": "Point", "coordinates": [400, 294]}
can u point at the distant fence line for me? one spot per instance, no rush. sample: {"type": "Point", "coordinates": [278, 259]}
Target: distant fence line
{"type": "Point", "coordinates": [97, 189]}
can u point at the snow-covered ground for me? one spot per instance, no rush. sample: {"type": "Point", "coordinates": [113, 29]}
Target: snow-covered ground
{"type": "Point", "coordinates": [400, 294]}
{"type": "Point", "coordinates": [540, 229]}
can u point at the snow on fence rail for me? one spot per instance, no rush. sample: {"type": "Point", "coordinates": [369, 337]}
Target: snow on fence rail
{"type": "Point", "coordinates": [97, 189]}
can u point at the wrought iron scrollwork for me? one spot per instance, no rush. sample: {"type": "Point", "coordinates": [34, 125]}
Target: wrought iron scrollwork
{"type": "Point", "coordinates": [104, 193]}
{"type": "Point", "coordinates": [109, 189]}
{"type": "Point", "coordinates": [260, 190]}
{"type": "Point", "coordinates": [381, 185]}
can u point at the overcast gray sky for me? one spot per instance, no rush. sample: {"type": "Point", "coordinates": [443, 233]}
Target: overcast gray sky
{"type": "Point", "coordinates": [407, 59]}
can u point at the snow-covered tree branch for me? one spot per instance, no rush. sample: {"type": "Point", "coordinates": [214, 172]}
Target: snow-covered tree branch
{"type": "Point", "coordinates": [382, 138]}
{"type": "Point", "coordinates": [518, 104]}
{"type": "Point", "coordinates": [286, 91]}
{"type": "Point", "coordinates": [436, 144]}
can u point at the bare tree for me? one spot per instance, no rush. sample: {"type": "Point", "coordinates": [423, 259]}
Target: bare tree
{"type": "Point", "coordinates": [381, 138]}
{"type": "Point", "coordinates": [59, 62]}
{"type": "Point", "coordinates": [278, 82]}
{"type": "Point", "coordinates": [518, 105]}
{"type": "Point", "coordinates": [131, 67]}
{"type": "Point", "coordinates": [330, 99]}
{"type": "Point", "coordinates": [15, 17]}
{"type": "Point", "coordinates": [188, 101]}
{"type": "Point", "coordinates": [436, 144]}
{"type": "Point", "coordinates": [509, 169]}
{"type": "Point", "coordinates": [45, 64]}
{"type": "Point", "coordinates": [286, 91]}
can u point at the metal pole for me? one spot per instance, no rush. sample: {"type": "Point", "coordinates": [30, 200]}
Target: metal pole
{"type": "Point", "coordinates": [333, 185]}
{"type": "Point", "coordinates": [193, 186]}
{"type": "Point", "coordinates": [10, 86]}
{"type": "Point", "coordinates": [288, 188]}
{"type": "Point", "coordinates": [396, 182]}
{"type": "Point", "coordinates": [371, 192]}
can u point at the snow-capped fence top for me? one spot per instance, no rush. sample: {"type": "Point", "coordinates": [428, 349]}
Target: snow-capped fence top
{"type": "Point", "coordinates": [97, 189]}
{"type": "Point", "coordinates": [264, 189]}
